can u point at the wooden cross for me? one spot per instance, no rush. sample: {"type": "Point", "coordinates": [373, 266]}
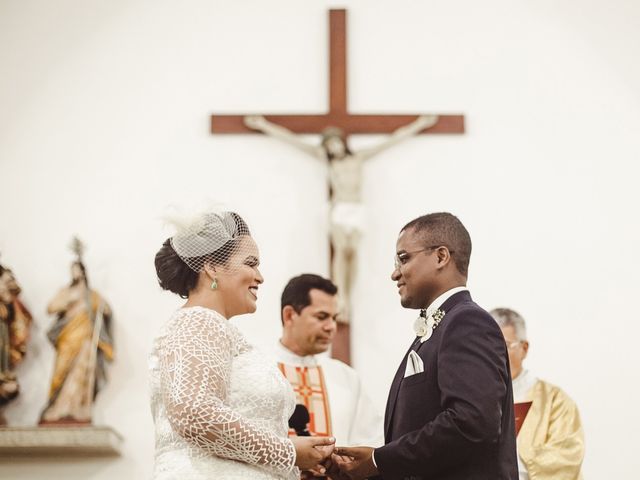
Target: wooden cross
{"type": "Point", "coordinates": [338, 116]}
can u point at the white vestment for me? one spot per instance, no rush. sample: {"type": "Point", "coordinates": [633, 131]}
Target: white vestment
{"type": "Point", "coordinates": [353, 419]}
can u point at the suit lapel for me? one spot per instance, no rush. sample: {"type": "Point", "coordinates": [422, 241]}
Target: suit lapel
{"type": "Point", "coordinates": [393, 392]}
{"type": "Point", "coordinates": [397, 380]}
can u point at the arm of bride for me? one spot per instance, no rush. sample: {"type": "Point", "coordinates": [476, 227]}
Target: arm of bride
{"type": "Point", "coordinates": [195, 363]}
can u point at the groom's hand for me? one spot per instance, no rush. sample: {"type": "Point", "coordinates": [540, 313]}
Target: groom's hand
{"type": "Point", "coordinates": [355, 463]}
{"type": "Point", "coordinates": [322, 471]}
{"type": "Point", "coordinates": [332, 469]}
{"type": "Point", "coordinates": [328, 470]}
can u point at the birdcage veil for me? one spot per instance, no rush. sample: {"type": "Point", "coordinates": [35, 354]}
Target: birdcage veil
{"type": "Point", "coordinates": [210, 237]}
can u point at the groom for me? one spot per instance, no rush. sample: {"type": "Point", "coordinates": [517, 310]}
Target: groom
{"type": "Point", "coordinates": [450, 408]}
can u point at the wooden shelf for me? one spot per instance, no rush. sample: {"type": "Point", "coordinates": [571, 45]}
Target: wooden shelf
{"type": "Point", "coordinates": [55, 441]}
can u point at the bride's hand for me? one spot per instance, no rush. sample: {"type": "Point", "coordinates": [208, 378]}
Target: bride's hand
{"type": "Point", "coordinates": [312, 451]}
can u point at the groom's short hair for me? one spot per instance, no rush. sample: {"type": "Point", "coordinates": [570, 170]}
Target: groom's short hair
{"type": "Point", "coordinates": [296, 292]}
{"type": "Point", "coordinates": [445, 229]}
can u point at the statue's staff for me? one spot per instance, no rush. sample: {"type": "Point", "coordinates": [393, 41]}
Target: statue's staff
{"type": "Point", "coordinates": [95, 339]}
{"type": "Point", "coordinates": [78, 247]}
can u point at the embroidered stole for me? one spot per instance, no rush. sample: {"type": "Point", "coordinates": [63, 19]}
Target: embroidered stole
{"type": "Point", "coordinates": [311, 391]}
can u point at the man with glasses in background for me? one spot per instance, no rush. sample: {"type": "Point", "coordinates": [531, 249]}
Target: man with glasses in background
{"type": "Point", "coordinates": [551, 441]}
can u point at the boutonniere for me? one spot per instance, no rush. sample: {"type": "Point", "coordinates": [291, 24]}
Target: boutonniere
{"type": "Point", "coordinates": [425, 325]}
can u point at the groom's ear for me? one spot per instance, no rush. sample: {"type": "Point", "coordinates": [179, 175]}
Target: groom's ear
{"type": "Point", "coordinates": [444, 256]}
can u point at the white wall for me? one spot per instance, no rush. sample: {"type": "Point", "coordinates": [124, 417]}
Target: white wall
{"type": "Point", "coordinates": [104, 122]}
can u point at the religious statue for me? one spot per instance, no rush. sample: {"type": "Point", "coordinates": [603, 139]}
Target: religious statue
{"type": "Point", "coordinates": [83, 341]}
{"type": "Point", "coordinates": [345, 181]}
{"type": "Point", "coordinates": [15, 321]}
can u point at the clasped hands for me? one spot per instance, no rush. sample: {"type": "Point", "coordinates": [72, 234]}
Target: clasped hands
{"type": "Point", "coordinates": [341, 463]}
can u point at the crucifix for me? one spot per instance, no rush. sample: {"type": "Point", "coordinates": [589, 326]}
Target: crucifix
{"type": "Point", "coordinates": [344, 165]}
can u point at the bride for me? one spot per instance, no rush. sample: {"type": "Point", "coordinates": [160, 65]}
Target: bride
{"type": "Point", "coordinates": [220, 408]}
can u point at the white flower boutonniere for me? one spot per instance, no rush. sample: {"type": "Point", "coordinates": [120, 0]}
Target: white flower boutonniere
{"type": "Point", "coordinates": [425, 325]}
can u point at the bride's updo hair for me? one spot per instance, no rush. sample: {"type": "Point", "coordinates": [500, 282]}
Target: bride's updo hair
{"type": "Point", "coordinates": [211, 238]}
{"type": "Point", "coordinates": [173, 274]}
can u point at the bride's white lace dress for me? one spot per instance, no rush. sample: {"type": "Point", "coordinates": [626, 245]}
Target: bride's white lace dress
{"type": "Point", "coordinates": [220, 407]}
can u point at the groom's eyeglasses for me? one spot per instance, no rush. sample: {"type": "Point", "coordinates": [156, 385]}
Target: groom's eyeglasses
{"type": "Point", "coordinates": [403, 258]}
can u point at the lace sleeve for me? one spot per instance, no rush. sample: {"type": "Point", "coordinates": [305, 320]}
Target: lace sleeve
{"type": "Point", "coordinates": [195, 361]}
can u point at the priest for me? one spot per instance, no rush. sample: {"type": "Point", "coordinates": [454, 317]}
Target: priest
{"type": "Point", "coordinates": [551, 441]}
{"type": "Point", "coordinates": [330, 397]}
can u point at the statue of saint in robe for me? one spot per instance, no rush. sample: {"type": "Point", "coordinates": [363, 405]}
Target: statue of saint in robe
{"type": "Point", "coordinates": [15, 321]}
{"type": "Point", "coordinates": [83, 341]}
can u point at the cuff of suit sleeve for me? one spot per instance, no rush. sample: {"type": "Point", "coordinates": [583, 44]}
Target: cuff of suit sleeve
{"type": "Point", "coordinates": [381, 460]}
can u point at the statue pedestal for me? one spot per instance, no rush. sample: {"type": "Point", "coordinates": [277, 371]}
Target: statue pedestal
{"type": "Point", "coordinates": [59, 441]}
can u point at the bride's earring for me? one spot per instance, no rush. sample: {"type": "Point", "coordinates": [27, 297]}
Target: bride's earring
{"type": "Point", "coordinates": [214, 284]}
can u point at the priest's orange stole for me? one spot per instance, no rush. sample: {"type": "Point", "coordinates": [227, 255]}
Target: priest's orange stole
{"type": "Point", "coordinates": [311, 391]}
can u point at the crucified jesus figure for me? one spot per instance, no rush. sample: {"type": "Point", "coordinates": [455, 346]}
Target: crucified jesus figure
{"type": "Point", "coordinates": [345, 180]}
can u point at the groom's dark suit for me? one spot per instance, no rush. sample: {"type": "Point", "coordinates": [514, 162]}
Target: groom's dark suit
{"type": "Point", "coordinates": [455, 420]}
